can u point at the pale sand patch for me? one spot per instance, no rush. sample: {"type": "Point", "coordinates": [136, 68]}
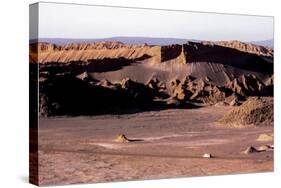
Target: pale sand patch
{"type": "Point", "coordinates": [149, 140]}
{"type": "Point", "coordinates": [265, 137]}
{"type": "Point", "coordinates": [108, 145]}
{"type": "Point", "coordinates": [161, 137]}
{"type": "Point", "coordinates": [169, 136]}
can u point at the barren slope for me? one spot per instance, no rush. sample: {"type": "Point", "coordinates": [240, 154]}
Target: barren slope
{"type": "Point", "coordinates": [167, 75]}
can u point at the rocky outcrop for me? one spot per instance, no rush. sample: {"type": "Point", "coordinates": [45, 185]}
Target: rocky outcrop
{"type": "Point", "coordinates": [246, 85]}
{"type": "Point", "coordinates": [122, 139]}
{"type": "Point", "coordinates": [69, 95]}
{"type": "Point", "coordinates": [198, 90]}
{"type": "Point", "coordinates": [250, 150]}
{"type": "Point", "coordinates": [255, 111]}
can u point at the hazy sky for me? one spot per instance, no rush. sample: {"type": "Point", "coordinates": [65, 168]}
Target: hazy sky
{"type": "Point", "coordinates": [82, 21]}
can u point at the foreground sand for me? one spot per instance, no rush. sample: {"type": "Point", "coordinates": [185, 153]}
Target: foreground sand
{"type": "Point", "coordinates": [168, 143]}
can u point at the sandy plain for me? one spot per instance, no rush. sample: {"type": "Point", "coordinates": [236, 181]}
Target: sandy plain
{"type": "Point", "coordinates": [165, 144]}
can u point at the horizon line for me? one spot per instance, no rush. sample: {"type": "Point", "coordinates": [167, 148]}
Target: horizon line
{"type": "Point", "coordinates": [104, 38]}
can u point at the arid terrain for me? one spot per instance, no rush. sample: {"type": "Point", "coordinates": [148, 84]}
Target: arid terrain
{"type": "Point", "coordinates": [166, 144]}
{"type": "Point", "coordinates": [110, 111]}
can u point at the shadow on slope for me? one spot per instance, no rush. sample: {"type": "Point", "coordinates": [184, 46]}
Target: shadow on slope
{"type": "Point", "coordinates": [71, 96]}
{"type": "Point", "coordinates": [197, 52]}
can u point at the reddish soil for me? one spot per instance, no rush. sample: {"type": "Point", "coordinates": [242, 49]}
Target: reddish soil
{"type": "Point", "coordinates": [164, 144]}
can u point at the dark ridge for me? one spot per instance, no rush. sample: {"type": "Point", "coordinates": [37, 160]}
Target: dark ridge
{"type": "Point", "coordinates": [170, 52]}
{"type": "Point", "coordinates": [197, 52]}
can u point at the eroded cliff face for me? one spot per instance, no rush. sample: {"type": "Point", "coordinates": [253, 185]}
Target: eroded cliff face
{"type": "Point", "coordinates": [244, 47]}
{"type": "Point", "coordinates": [71, 53]}
{"type": "Point", "coordinates": [48, 53]}
{"type": "Point", "coordinates": [112, 77]}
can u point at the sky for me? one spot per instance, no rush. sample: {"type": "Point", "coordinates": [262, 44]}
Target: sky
{"type": "Point", "coordinates": [92, 22]}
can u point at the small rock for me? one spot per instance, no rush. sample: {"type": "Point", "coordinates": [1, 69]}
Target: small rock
{"type": "Point", "coordinates": [234, 102]}
{"type": "Point", "coordinates": [264, 147]}
{"type": "Point", "coordinates": [250, 150]}
{"type": "Point", "coordinates": [208, 155]}
{"type": "Point", "coordinates": [121, 138]}
{"type": "Point", "coordinates": [84, 76]}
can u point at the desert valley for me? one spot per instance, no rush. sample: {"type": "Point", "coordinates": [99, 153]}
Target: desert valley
{"type": "Point", "coordinates": [110, 111]}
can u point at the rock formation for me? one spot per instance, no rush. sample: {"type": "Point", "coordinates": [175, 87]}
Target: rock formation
{"type": "Point", "coordinates": [250, 150]}
{"type": "Point", "coordinates": [121, 138]}
{"type": "Point", "coordinates": [113, 76]}
{"type": "Point", "coordinates": [254, 111]}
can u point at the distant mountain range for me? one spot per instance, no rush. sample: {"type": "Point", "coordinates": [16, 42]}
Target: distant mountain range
{"type": "Point", "coordinates": [268, 43]}
{"type": "Point", "coordinates": [136, 40]}
{"type": "Point", "coordinates": [125, 40]}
